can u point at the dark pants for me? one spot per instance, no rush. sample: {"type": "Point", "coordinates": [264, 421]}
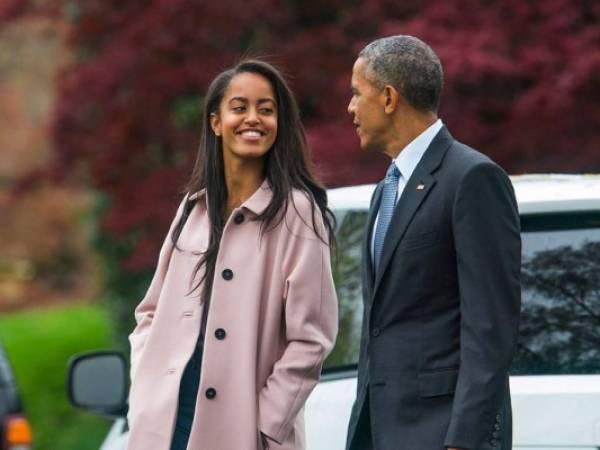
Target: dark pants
{"type": "Point", "coordinates": [362, 437]}
{"type": "Point", "coordinates": [188, 392]}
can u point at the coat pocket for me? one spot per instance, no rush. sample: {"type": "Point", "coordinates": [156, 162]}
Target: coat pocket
{"type": "Point", "coordinates": [442, 382]}
{"type": "Point", "coordinates": [416, 241]}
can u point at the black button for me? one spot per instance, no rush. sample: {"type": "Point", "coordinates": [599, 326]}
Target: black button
{"type": "Point", "coordinates": [498, 418]}
{"type": "Point", "coordinates": [497, 426]}
{"type": "Point", "coordinates": [227, 274]}
{"type": "Point", "coordinates": [239, 218]}
{"type": "Point", "coordinates": [211, 393]}
{"type": "Point", "coordinates": [220, 334]}
{"type": "Point", "coordinates": [496, 434]}
{"type": "Point", "coordinates": [494, 443]}
{"type": "Point", "coordinates": [376, 332]}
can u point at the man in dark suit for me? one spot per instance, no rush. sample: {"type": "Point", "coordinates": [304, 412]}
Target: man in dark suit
{"type": "Point", "coordinates": [441, 269]}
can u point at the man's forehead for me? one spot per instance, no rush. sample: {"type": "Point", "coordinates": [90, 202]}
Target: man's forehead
{"type": "Point", "coordinates": [359, 72]}
{"type": "Point", "coordinates": [359, 66]}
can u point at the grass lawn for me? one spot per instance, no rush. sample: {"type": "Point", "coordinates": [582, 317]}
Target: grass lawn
{"type": "Point", "coordinates": [39, 343]}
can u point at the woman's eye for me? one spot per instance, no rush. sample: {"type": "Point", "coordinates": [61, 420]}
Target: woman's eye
{"type": "Point", "coordinates": [239, 108]}
{"type": "Point", "coordinates": [267, 110]}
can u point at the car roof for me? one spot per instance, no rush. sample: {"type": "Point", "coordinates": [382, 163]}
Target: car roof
{"type": "Point", "coordinates": [536, 193]}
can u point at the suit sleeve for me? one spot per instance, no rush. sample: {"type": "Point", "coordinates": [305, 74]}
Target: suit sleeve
{"type": "Point", "coordinates": [310, 326]}
{"type": "Point", "coordinates": [488, 251]}
{"type": "Point", "coordinates": [144, 312]}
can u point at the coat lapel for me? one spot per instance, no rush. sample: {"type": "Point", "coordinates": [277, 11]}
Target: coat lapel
{"type": "Point", "coordinates": [418, 187]}
{"type": "Point", "coordinates": [367, 258]}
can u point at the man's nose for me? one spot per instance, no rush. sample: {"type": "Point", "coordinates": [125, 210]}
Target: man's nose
{"type": "Point", "coordinates": [351, 106]}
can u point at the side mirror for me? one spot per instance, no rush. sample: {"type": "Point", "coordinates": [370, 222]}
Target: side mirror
{"type": "Point", "coordinates": [99, 382]}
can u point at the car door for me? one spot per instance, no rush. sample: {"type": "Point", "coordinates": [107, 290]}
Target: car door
{"type": "Point", "coordinates": [555, 380]}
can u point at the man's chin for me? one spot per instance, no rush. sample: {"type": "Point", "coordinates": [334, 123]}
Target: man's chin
{"type": "Point", "coordinates": [368, 146]}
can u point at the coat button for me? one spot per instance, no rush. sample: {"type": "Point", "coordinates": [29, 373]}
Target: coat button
{"type": "Point", "coordinates": [494, 442]}
{"type": "Point", "coordinates": [227, 274]}
{"type": "Point", "coordinates": [210, 393]}
{"type": "Point", "coordinates": [497, 426]}
{"type": "Point", "coordinates": [376, 332]}
{"type": "Point", "coordinates": [220, 334]}
{"type": "Point", "coordinates": [496, 434]}
{"type": "Point", "coordinates": [239, 218]}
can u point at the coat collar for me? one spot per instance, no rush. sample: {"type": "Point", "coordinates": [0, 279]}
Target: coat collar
{"type": "Point", "coordinates": [256, 203]}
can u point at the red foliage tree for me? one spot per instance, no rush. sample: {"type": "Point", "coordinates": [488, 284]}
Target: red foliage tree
{"type": "Point", "coordinates": [521, 76]}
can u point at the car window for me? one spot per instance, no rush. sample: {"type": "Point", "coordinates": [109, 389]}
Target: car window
{"type": "Point", "coordinates": [560, 318]}
{"type": "Point", "coordinates": [560, 315]}
{"type": "Point", "coordinates": [346, 275]}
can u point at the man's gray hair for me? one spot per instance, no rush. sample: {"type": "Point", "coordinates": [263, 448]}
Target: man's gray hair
{"type": "Point", "coordinates": [409, 65]}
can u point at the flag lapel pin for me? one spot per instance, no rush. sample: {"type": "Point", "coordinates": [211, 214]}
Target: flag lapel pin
{"type": "Point", "coordinates": [420, 187]}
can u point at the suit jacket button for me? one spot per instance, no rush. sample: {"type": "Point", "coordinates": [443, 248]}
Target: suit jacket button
{"type": "Point", "coordinates": [227, 274]}
{"type": "Point", "coordinates": [210, 393]}
{"type": "Point", "coordinates": [376, 332]}
{"type": "Point", "coordinates": [239, 218]}
{"type": "Point", "coordinates": [497, 426]}
{"type": "Point", "coordinates": [220, 334]}
{"type": "Point", "coordinates": [496, 434]}
{"type": "Point", "coordinates": [494, 443]}
{"type": "Point", "coordinates": [497, 417]}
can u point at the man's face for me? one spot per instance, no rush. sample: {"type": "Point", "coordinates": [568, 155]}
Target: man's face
{"type": "Point", "coordinates": [368, 108]}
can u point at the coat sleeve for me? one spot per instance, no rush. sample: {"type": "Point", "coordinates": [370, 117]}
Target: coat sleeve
{"type": "Point", "coordinates": [144, 312]}
{"type": "Point", "coordinates": [310, 328]}
{"type": "Point", "coordinates": [488, 251]}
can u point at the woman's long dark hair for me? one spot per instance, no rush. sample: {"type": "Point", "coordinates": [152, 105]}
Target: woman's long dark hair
{"type": "Point", "coordinates": [287, 166]}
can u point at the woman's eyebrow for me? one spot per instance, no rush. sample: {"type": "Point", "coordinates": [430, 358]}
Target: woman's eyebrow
{"type": "Point", "coordinates": [265, 100]}
{"type": "Point", "coordinates": [245, 100]}
{"type": "Point", "coordinates": [238, 99]}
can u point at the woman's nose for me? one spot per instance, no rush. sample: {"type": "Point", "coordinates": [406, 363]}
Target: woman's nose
{"type": "Point", "coordinates": [251, 117]}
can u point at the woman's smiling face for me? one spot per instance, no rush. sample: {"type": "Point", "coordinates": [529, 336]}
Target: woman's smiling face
{"type": "Point", "coordinates": [247, 117]}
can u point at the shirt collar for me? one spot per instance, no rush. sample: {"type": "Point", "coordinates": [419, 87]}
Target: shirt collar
{"type": "Point", "coordinates": [256, 203]}
{"type": "Point", "coordinates": [409, 156]}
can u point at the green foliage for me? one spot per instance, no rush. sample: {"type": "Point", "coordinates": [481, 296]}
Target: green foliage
{"type": "Point", "coordinates": [39, 345]}
{"type": "Point", "coordinates": [122, 289]}
{"type": "Point", "coordinates": [186, 111]}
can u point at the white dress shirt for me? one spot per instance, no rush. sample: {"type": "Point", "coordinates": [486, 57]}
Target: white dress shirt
{"type": "Point", "coordinates": [406, 161]}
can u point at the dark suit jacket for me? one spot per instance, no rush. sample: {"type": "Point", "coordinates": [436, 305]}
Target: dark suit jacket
{"type": "Point", "coordinates": [441, 316]}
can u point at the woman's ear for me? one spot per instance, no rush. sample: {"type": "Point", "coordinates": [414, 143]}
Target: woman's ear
{"type": "Point", "coordinates": [215, 123]}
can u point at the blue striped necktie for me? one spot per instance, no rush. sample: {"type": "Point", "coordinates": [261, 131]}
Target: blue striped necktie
{"type": "Point", "coordinates": [386, 210]}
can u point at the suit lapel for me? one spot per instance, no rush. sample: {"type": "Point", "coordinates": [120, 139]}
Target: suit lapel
{"type": "Point", "coordinates": [367, 257]}
{"type": "Point", "coordinates": [407, 206]}
{"type": "Point", "coordinates": [418, 187]}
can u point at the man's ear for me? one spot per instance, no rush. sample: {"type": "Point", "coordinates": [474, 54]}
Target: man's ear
{"type": "Point", "coordinates": [215, 123]}
{"type": "Point", "coordinates": [391, 98]}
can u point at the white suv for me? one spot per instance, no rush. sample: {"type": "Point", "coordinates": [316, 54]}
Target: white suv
{"type": "Point", "coordinates": [555, 379]}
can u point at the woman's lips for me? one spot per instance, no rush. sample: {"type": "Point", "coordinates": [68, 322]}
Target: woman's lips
{"type": "Point", "coordinates": [251, 135]}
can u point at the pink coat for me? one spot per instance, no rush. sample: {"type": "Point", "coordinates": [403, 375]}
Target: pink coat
{"type": "Point", "coordinates": [279, 312]}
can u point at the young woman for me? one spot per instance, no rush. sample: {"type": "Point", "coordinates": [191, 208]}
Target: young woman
{"type": "Point", "coordinates": [242, 310]}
